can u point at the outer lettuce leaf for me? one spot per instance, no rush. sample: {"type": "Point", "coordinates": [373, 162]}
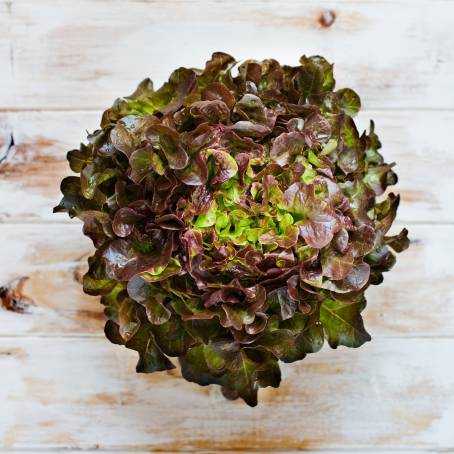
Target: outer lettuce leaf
{"type": "Point", "coordinates": [240, 371]}
{"type": "Point", "coordinates": [343, 324]}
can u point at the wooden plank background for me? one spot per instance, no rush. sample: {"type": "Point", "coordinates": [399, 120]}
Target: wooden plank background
{"type": "Point", "coordinates": [64, 387]}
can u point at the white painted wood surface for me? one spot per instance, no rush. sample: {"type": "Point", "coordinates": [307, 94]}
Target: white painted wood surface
{"type": "Point", "coordinates": [77, 54]}
{"type": "Point", "coordinates": [415, 140]}
{"type": "Point", "coordinates": [395, 393]}
{"type": "Point", "coordinates": [54, 256]}
{"type": "Point", "coordinates": [64, 387]}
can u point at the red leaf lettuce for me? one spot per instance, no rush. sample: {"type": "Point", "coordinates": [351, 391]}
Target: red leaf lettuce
{"type": "Point", "coordinates": [235, 219]}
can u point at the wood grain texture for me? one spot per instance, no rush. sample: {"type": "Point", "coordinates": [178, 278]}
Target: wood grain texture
{"type": "Point", "coordinates": [83, 393]}
{"type": "Point", "coordinates": [416, 299]}
{"type": "Point", "coordinates": [81, 54]}
{"type": "Point", "coordinates": [30, 177]}
{"type": "Point", "coordinates": [63, 387]}
{"type": "Point", "coordinates": [6, 55]}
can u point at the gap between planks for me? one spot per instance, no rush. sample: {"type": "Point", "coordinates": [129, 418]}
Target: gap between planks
{"type": "Point", "coordinates": [145, 450]}
{"type": "Point", "coordinates": [258, 2]}
{"type": "Point", "coordinates": [400, 222]}
{"type": "Point", "coordinates": [101, 109]}
{"type": "Point", "coordinates": [101, 336]}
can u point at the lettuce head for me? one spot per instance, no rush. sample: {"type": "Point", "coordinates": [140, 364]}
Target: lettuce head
{"type": "Point", "coordinates": [237, 217]}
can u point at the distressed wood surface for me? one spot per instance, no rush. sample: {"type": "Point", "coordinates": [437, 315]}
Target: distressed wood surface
{"type": "Point", "coordinates": [30, 177]}
{"type": "Point", "coordinates": [54, 257]}
{"type": "Point", "coordinates": [63, 387]}
{"type": "Point", "coordinates": [81, 393]}
{"type": "Point", "coordinates": [79, 54]}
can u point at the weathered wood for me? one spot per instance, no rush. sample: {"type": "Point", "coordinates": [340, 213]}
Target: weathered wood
{"type": "Point", "coordinates": [30, 178]}
{"type": "Point", "coordinates": [6, 56]}
{"type": "Point", "coordinates": [395, 54]}
{"type": "Point", "coordinates": [54, 258]}
{"type": "Point", "coordinates": [389, 394]}
{"type": "Point", "coordinates": [416, 299]}
{"type": "Point", "coordinates": [64, 387]}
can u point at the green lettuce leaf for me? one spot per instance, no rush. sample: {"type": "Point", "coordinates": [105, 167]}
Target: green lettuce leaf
{"type": "Point", "coordinates": [343, 324]}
